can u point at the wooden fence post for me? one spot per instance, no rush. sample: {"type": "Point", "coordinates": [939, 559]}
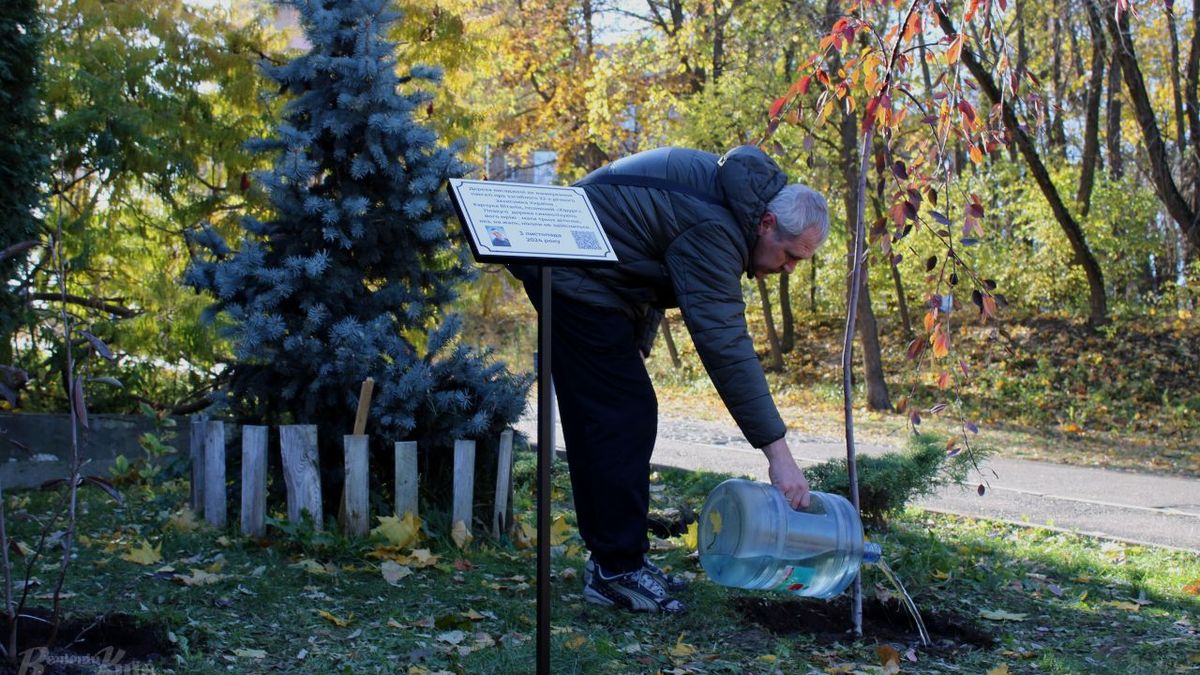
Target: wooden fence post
{"type": "Point", "coordinates": [500, 516]}
{"type": "Point", "coordinates": [464, 482]}
{"type": "Point", "coordinates": [254, 481]}
{"type": "Point", "coordinates": [406, 479]}
{"type": "Point", "coordinates": [354, 488]}
{"type": "Point", "coordinates": [196, 451]}
{"type": "Point", "coordinates": [214, 474]}
{"type": "Point", "coordinates": [298, 447]}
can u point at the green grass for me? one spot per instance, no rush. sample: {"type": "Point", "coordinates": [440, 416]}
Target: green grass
{"type": "Point", "coordinates": [1073, 604]}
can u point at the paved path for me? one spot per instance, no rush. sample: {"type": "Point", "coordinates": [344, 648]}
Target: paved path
{"type": "Point", "coordinates": [1134, 507]}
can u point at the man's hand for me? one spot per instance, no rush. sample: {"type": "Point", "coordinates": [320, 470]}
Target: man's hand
{"type": "Point", "coordinates": [785, 475]}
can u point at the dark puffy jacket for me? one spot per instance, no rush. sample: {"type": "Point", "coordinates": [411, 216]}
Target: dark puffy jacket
{"type": "Point", "coordinates": [687, 246]}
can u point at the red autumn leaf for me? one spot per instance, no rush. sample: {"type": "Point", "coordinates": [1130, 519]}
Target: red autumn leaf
{"type": "Point", "coordinates": [916, 348]}
{"type": "Point", "coordinates": [955, 50]}
{"type": "Point", "coordinates": [971, 12]}
{"type": "Point", "coordinates": [803, 84]}
{"type": "Point", "coordinates": [777, 106]}
{"type": "Point", "coordinates": [967, 110]}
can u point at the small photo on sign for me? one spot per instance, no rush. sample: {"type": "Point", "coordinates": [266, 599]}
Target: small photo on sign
{"type": "Point", "coordinates": [499, 238]}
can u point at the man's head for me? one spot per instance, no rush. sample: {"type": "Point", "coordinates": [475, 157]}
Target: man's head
{"type": "Point", "coordinates": [794, 226]}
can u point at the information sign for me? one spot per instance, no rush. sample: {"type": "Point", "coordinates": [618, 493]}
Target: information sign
{"type": "Point", "coordinates": [535, 224]}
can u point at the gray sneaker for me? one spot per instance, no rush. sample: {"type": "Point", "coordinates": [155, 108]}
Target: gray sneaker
{"type": "Point", "coordinates": [636, 591]}
{"type": "Point", "coordinates": [674, 583]}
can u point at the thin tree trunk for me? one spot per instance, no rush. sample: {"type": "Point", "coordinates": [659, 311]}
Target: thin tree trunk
{"type": "Point", "coordinates": [776, 362]}
{"type": "Point", "coordinates": [1098, 299]}
{"type": "Point", "coordinates": [788, 339]}
{"type": "Point", "coordinates": [1112, 123]}
{"type": "Point", "coordinates": [670, 340]}
{"type": "Point", "coordinates": [868, 327]}
{"type": "Point", "coordinates": [1176, 81]}
{"type": "Point", "coordinates": [1091, 125]}
{"type": "Point", "coordinates": [812, 285]}
{"type": "Point", "coordinates": [1058, 134]}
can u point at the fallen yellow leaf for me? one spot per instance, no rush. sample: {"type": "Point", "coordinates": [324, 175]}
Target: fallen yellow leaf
{"type": "Point", "coordinates": [340, 623]}
{"type": "Point", "coordinates": [575, 641]}
{"type": "Point", "coordinates": [183, 520]}
{"type": "Point", "coordinates": [560, 531]}
{"type": "Point", "coordinates": [198, 578]}
{"type": "Point", "coordinates": [423, 558]}
{"type": "Point", "coordinates": [692, 536]}
{"type": "Point", "coordinates": [250, 653]}
{"type": "Point", "coordinates": [400, 532]}
{"type": "Point", "coordinates": [311, 566]}
{"type": "Point", "coordinates": [144, 554]}
{"type": "Point", "coordinates": [1001, 669]}
{"type": "Point", "coordinates": [681, 648]}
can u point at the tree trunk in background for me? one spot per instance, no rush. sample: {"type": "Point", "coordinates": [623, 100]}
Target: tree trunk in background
{"type": "Point", "coordinates": [1091, 125]}
{"type": "Point", "coordinates": [1179, 208]}
{"type": "Point", "coordinates": [670, 340]}
{"type": "Point", "coordinates": [1057, 134]}
{"type": "Point", "coordinates": [1112, 122]}
{"type": "Point", "coordinates": [788, 339]}
{"type": "Point", "coordinates": [865, 323]}
{"type": "Point", "coordinates": [812, 285]}
{"type": "Point", "coordinates": [776, 361]}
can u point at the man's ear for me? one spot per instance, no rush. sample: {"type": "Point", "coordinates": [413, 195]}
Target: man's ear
{"type": "Point", "coordinates": [766, 223]}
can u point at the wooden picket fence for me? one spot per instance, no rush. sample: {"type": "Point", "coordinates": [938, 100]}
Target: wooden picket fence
{"type": "Point", "coordinates": [298, 449]}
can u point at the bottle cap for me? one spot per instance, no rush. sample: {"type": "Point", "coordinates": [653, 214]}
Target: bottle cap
{"type": "Point", "coordinates": [871, 552]}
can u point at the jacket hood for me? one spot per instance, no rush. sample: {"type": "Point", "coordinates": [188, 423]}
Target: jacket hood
{"type": "Point", "coordinates": [749, 179]}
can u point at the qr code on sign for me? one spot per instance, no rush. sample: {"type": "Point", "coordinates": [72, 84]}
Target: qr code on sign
{"type": "Point", "coordinates": [585, 240]}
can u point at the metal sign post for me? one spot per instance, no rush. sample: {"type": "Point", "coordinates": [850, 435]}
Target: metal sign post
{"type": "Point", "coordinates": [545, 226]}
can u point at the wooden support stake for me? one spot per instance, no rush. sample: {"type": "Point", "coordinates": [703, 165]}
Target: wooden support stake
{"type": "Point", "coordinates": [196, 451]}
{"type": "Point", "coordinates": [354, 491]}
{"type": "Point", "coordinates": [406, 478]}
{"type": "Point", "coordinates": [364, 406]}
{"type": "Point", "coordinates": [254, 481]}
{"type": "Point", "coordinates": [298, 446]}
{"type": "Point", "coordinates": [214, 474]}
{"type": "Point", "coordinates": [464, 482]}
{"type": "Point", "coordinates": [500, 515]}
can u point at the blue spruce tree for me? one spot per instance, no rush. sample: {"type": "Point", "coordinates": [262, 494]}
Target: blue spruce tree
{"type": "Point", "coordinates": [349, 278]}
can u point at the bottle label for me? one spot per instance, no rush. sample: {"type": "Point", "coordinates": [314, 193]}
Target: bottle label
{"type": "Point", "coordinates": [795, 579]}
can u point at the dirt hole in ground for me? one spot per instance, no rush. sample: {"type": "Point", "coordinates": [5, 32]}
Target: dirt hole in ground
{"type": "Point", "coordinates": [882, 621]}
{"type": "Point", "coordinates": [84, 644]}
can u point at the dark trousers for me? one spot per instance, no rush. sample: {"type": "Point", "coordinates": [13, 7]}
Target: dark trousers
{"type": "Point", "coordinates": [609, 418]}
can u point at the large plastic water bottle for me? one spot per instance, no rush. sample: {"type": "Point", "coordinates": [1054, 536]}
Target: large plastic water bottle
{"type": "Point", "coordinates": [750, 537]}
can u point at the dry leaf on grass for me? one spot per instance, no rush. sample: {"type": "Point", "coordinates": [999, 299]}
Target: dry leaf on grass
{"type": "Point", "coordinates": [399, 532]}
{"type": "Point", "coordinates": [393, 572]}
{"type": "Point", "coordinates": [144, 554]}
{"type": "Point", "coordinates": [199, 578]}
{"type": "Point", "coordinates": [339, 622]}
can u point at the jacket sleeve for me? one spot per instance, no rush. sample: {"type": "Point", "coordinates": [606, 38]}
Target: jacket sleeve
{"type": "Point", "coordinates": [706, 264]}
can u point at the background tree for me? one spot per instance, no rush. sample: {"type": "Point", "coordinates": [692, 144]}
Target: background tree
{"type": "Point", "coordinates": [22, 155]}
{"type": "Point", "coordinates": [147, 104]}
{"type": "Point", "coordinates": [348, 276]}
